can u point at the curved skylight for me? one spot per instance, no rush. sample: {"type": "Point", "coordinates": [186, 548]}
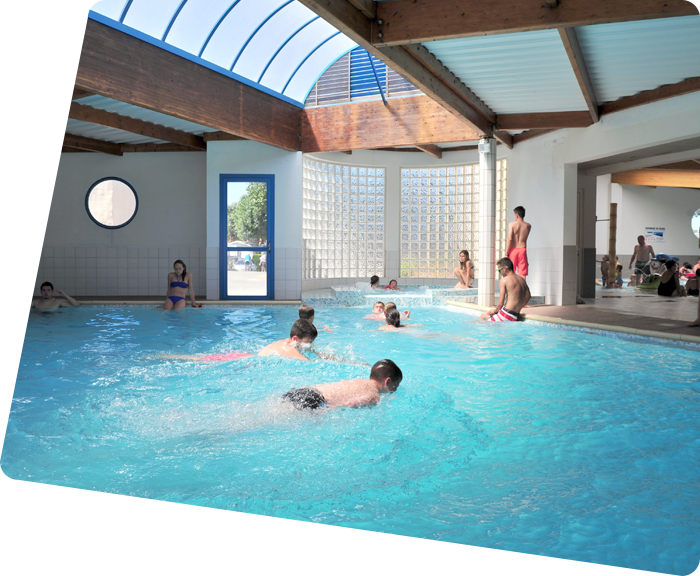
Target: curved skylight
{"type": "Point", "coordinates": [278, 45]}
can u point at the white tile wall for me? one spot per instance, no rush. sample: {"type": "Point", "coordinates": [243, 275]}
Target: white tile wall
{"type": "Point", "coordinates": [119, 270]}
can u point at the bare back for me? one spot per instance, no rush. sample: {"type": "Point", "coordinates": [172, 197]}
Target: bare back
{"type": "Point", "coordinates": [282, 348]}
{"type": "Point", "coordinates": [352, 393]}
{"type": "Point", "coordinates": [518, 233]}
{"type": "Point", "coordinates": [517, 290]}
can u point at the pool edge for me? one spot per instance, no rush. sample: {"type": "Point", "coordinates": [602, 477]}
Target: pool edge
{"type": "Point", "coordinates": [591, 325]}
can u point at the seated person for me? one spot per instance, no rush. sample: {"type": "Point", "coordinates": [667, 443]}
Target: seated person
{"type": "Point", "coordinates": [374, 282]}
{"type": "Point", "coordinates": [384, 378]}
{"type": "Point", "coordinates": [685, 270]}
{"type": "Point", "coordinates": [670, 283]}
{"type": "Point", "coordinates": [513, 287]}
{"type": "Point", "coordinates": [391, 306]}
{"type": "Point", "coordinates": [47, 301]}
{"type": "Point", "coordinates": [618, 276]}
{"type": "Point", "coordinates": [633, 280]}
{"type": "Point", "coordinates": [692, 285]}
{"type": "Point", "coordinates": [393, 285]}
{"type": "Point", "coordinates": [377, 311]}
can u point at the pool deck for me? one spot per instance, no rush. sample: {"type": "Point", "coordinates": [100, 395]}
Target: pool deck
{"type": "Point", "coordinates": [625, 312]}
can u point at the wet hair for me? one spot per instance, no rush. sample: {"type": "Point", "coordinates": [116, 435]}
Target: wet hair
{"type": "Point", "coordinates": [507, 262]}
{"type": "Point", "coordinates": [47, 284]}
{"type": "Point", "coordinates": [184, 269]}
{"type": "Point", "coordinates": [463, 265]}
{"type": "Point", "coordinates": [374, 280]}
{"type": "Point", "coordinates": [520, 211]}
{"type": "Point", "coordinates": [390, 281]}
{"type": "Point", "coordinates": [306, 312]}
{"type": "Point", "coordinates": [389, 306]}
{"type": "Point", "coordinates": [303, 329]}
{"type": "Point", "coordinates": [387, 369]}
{"type": "Point", "coordinates": [378, 302]}
{"type": "Point", "coordinates": [393, 317]}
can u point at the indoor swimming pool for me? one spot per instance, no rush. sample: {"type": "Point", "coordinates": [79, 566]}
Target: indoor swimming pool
{"type": "Point", "coordinates": [512, 436]}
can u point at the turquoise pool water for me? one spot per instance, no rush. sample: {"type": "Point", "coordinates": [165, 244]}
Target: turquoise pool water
{"type": "Point", "coordinates": [515, 437]}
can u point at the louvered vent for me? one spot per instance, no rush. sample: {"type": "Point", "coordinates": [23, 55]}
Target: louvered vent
{"type": "Point", "coordinates": [351, 79]}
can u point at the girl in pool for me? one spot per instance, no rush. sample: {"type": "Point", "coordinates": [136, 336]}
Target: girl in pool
{"type": "Point", "coordinates": [178, 284]}
{"type": "Point", "coordinates": [393, 285]}
{"type": "Point", "coordinates": [465, 272]}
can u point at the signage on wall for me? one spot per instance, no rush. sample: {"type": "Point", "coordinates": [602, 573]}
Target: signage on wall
{"type": "Point", "coordinates": [655, 235]}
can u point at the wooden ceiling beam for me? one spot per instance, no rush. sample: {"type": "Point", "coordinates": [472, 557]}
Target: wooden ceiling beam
{"type": "Point", "coordinates": [77, 94]}
{"type": "Point", "coordinates": [402, 122]}
{"type": "Point", "coordinates": [151, 147]}
{"type": "Point", "coordinates": [70, 150]}
{"type": "Point", "coordinates": [416, 21]}
{"type": "Point", "coordinates": [354, 24]}
{"type": "Point", "coordinates": [504, 138]}
{"type": "Point", "coordinates": [649, 96]}
{"type": "Point", "coordinates": [431, 149]}
{"type": "Point", "coordinates": [546, 120]}
{"type": "Point", "coordinates": [367, 7]}
{"type": "Point", "coordinates": [62, 139]}
{"type": "Point", "coordinates": [578, 64]}
{"type": "Point", "coordinates": [658, 177]}
{"type": "Point", "coordinates": [529, 135]}
{"type": "Point", "coordinates": [220, 136]}
{"type": "Point", "coordinates": [112, 120]}
{"type": "Point", "coordinates": [34, 92]}
{"type": "Point", "coordinates": [127, 69]}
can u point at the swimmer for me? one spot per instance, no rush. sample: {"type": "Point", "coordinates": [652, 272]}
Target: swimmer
{"type": "Point", "coordinates": [393, 322]}
{"type": "Point", "coordinates": [465, 272]}
{"type": "Point", "coordinates": [384, 378]}
{"type": "Point", "coordinates": [374, 282]}
{"type": "Point", "coordinates": [307, 312]}
{"type": "Point", "coordinates": [377, 311]}
{"type": "Point", "coordinates": [47, 301]}
{"type": "Point", "coordinates": [178, 284]}
{"type": "Point", "coordinates": [391, 306]}
{"type": "Point", "coordinates": [393, 285]}
{"type": "Point", "coordinates": [514, 287]}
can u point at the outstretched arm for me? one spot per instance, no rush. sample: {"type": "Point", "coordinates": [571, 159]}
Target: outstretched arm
{"type": "Point", "coordinates": [334, 358]}
{"type": "Point", "coordinates": [72, 301]}
{"type": "Point", "coordinates": [634, 257]}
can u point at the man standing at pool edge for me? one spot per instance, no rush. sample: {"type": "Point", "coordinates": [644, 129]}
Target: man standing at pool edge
{"type": "Point", "coordinates": [512, 286]}
{"type": "Point", "coordinates": [516, 245]}
{"type": "Point", "coordinates": [384, 378]}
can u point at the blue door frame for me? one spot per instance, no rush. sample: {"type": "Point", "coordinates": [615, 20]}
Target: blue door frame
{"type": "Point", "coordinates": [224, 179]}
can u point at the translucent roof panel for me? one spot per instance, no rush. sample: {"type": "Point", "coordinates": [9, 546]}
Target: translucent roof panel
{"type": "Point", "coordinates": [512, 73]}
{"type": "Point", "coordinates": [629, 57]}
{"type": "Point", "coordinates": [278, 46]}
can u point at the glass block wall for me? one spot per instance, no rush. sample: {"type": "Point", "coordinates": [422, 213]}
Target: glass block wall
{"type": "Point", "coordinates": [440, 217]}
{"type": "Point", "coordinates": [343, 220]}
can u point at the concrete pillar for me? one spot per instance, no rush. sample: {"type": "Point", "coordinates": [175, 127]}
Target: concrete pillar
{"type": "Point", "coordinates": [487, 221]}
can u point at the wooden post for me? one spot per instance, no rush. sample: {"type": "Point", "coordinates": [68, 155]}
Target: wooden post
{"type": "Point", "coordinates": [612, 243]}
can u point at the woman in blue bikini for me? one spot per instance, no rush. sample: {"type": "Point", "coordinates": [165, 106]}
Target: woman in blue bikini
{"type": "Point", "coordinates": [178, 284]}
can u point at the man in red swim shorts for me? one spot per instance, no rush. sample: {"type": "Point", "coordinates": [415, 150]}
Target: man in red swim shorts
{"type": "Point", "coordinates": [516, 246]}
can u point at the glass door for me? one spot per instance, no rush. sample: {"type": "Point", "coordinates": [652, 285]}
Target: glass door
{"type": "Point", "coordinates": [246, 237]}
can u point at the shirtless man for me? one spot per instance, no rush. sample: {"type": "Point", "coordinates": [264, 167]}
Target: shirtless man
{"type": "Point", "coordinates": [512, 286]}
{"type": "Point", "coordinates": [377, 311]}
{"type": "Point", "coordinates": [10, 274]}
{"type": "Point", "coordinates": [516, 245]}
{"type": "Point", "coordinates": [384, 378]}
{"type": "Point", "coordinates": [47, 301]}
{"type": "Point", "coordinates": [642, 253]}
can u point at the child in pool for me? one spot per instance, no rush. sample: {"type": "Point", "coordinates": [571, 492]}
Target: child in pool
{"type": "Point", "coordinates": [391, 306]}
{"type": "Point", "coordinates": [307, 312]}
{"type": "Point", "coordinates": [393, 285]}
{"type": "Point", "coordinates": [377, 311]}
{"type": "Point", "coordinates": [393, 321]}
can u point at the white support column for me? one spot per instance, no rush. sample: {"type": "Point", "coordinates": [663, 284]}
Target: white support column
{"type": "Point", "coordinates": [487, 220]}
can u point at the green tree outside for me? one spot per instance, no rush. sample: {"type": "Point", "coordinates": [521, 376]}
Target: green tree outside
{"type": "Point", "coordinates": [247, 219]}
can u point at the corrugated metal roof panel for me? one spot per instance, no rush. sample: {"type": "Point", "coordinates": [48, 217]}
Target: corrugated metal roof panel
{"type": "Point", "coordinates": [7, 75]}
{"type": "Point", "coordinates": [79, 128]}
{"type": "Point", "coordinates": [514, 73]}
{"type": "Point", "coordinates": [131, 111]}
{"type": "Point", "coordinates": [629, 57]}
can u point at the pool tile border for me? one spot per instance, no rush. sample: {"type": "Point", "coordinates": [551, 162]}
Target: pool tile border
{"type": "Point", "coordinates": [622, 332]}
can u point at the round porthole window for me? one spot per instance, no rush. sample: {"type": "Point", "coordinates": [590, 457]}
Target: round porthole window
{"type": "Point", "coordinates": [695, 223]}
{"type": "Point", "coordinates": [111, 202]}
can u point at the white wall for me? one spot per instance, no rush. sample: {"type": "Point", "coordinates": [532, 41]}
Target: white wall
{"type": "Point", "coordinates": [641, 206]}
{"type": "Point", "coordinates": [85, 259]}
{"type": "Point", "coordinates": [245, 157]}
